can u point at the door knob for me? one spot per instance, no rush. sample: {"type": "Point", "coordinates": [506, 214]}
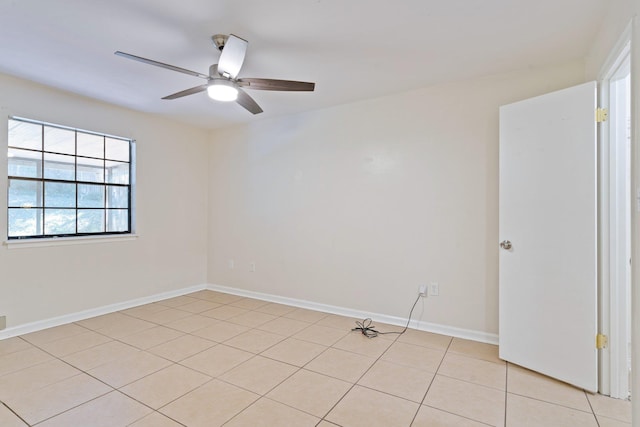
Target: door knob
{"type": "Point", "coordinates": [505, 244]}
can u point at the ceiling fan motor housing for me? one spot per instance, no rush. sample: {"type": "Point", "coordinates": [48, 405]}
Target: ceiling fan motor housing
{"type": "Point", "coordinates": [219, 40]}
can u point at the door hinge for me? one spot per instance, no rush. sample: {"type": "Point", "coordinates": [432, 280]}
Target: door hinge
{"type": "Point", "coordinates": [601, 341]}
{"type": "Point", "coordinates": [602, 114]}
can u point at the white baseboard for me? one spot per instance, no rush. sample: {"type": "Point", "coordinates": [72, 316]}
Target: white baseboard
{"type": "Point", "coordinates": [468, 334]}
{"type": "Point", "coordinates": [343, 311]}
{"type": "Point", "coordinates": [81, 315]}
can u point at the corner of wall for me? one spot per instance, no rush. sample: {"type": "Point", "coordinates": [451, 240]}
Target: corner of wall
{"type": "Point", "coordinates": [614, 25]}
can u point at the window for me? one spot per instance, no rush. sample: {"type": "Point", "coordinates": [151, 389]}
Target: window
{"type": "Point", "coordinates": [66, 182]}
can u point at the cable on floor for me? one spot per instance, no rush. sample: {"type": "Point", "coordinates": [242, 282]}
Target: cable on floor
{"type": "Point", "coordinates": [367, 328]}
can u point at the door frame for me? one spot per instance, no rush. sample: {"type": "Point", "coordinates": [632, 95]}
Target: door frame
{"type": "Point", "coordinates": [613, 305]}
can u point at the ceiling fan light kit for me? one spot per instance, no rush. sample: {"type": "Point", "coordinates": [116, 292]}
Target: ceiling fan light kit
{"type": "Point", "coordinates": [222, 90]}
{"type": "Point", "coordinates": [223, 83]}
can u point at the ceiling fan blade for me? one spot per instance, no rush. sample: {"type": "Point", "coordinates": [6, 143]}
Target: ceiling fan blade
{"type": "Point", "coordinates": [187, 92]}
{"type": "Point", "coordinates": [232, 56]}
{"type": "Point", "coordinates": [161, 65]}
{"type": "Point", "coordinates": [247, 102]}
{"type": "Point", "coordinates": [272, 84]}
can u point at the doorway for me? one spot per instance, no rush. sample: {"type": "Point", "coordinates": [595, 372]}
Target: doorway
{"type": "Point", "coordinates": [615, 206]}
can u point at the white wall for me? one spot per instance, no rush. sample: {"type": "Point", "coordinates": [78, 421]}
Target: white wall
{"type": "Point", "coordinates": [170, 253]}
{"type": "Point", "coordinates": [617, 18]}
{"type": "Point", "coordinates": [357, 205]}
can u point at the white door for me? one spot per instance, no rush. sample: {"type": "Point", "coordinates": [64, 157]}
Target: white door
{"type": "Point", "coordinates": [548, 284]}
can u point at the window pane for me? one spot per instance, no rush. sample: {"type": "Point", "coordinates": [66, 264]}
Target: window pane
{"type": "Point", "coordinates": [24, 163]}
{"type": "Point", "coordinates": [25, 222]}
{"type": "Point", "coordinates": [59, 195]}
{"type": "Point", "coordinates": [59, 221]}
{"type": "Point", "coordinates": [25, 135]}
{"type": "Point", "coordinates": [91, 170]}
{"type": "Point", "coordinates": [64, 181]}
{"type": "Point", "coordinates": [117, 173]}
{"type": "Point", "coordinates": [90, 196]}
{"type": "Point", "coordinates": [90, 145]}
{"type": "Point", "coordinates": [117, 197]}
{"type": "Point", "coordinates": [25, 194]}
{"type": "Point", "coordinates": [117, 149]}
{"type": "Point", "coordinates": [117, 220]}
{"type": "Point", "coordinates": [59, 140]}
{"type": "Point", "coordinates": [59, 167]}
{"type": "Point", "coordinates": [90, 221]}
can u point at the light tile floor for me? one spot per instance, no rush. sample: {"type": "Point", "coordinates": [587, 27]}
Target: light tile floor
{"type": "Point", "coordinates": [212, 359]}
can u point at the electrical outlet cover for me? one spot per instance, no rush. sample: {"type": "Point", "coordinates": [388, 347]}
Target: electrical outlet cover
{"type": "Point", "coordinates": [434, 289]}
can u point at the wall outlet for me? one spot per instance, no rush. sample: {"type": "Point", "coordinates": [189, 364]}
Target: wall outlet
{"type": "Point", "coordinates": [434, 289]}
{"type": "Point", "coordinates": [231, 264]}
{"type": "Point", "coordinates": [252, 266]}
{"type": "Point", "coordinates": [3, 322]}
{"type": "Point", "coordinates": [423, 290]}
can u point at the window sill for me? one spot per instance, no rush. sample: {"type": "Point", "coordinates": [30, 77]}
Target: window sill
{"type": "Point", "coordinates": [63, 241]}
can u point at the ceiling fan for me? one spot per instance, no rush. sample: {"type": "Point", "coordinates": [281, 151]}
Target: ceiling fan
{"type": "Point", "coordinates": [223, 83]}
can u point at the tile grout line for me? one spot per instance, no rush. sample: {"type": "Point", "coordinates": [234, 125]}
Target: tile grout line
{"type": "Point", "coordinates": [472, 383]}
{"type": "Point", "coordinates": [173, 362]}
{"type": "Point", "coordinates": [113, 389]}
{"type": "Point", "coordinates": [298, 369]}
{"type": "Point", "coordinates": [449, 351]}
{"type": "Point", "coordinates": [217, 343]}
{"type": "Point", "coordinates": [552, 403]}
{"type": "Point", "coordinates": [361, 376]}
{"type": "Point", "coordinates": [15, 413]}
{"type": "Point", "coordinates": [253, 356]}
{"type": "Point", "coordinates": [592, 410]}
{"type": "Point", "coordinates": [432, 380]}
{"type": "Point", "coordinates": [506, 392]}
{"type": "Point", "coordinates": [76, 368]}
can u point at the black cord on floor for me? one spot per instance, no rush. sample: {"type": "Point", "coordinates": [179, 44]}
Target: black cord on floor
{"type": "Point", "coordinates": [369, 331]}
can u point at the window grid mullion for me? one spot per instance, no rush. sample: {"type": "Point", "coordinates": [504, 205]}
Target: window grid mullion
{"type": "Point", "coordinates": [55, 193]}
{"type": "Point", "coordinates": [75, 173]}
{"type": "Point", "coordinates": [41, 220]}
{"type": "Point", "coordinates": [104, 181]}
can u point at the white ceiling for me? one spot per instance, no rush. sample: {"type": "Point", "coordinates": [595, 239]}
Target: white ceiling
{"type": "Point", "coordinates": [352, 49]}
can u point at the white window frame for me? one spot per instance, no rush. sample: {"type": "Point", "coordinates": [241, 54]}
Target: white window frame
{"type": "Point", "coordinates": [71, 239]}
